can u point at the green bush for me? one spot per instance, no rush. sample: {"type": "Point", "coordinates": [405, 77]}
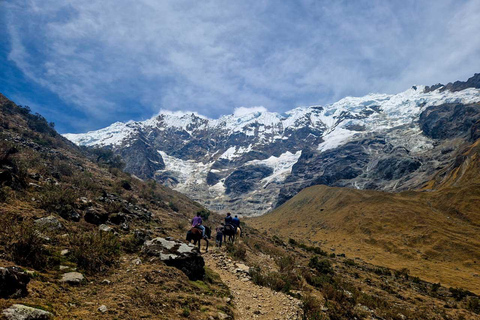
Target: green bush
{"type": "Point", "coordinates": [312, 308]}
{"type": "Point", "coordinates": [323, 266]}
{"type": "Point", "coordinates": [95, 252]}
{"type": "Point", "coordinates": [204, 213]}
{"type": "Point", "coordinates": [55, 198]}
{"type": "Point", "coordinates": [26, 247]}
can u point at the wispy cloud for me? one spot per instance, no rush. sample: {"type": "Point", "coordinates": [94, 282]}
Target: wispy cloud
{"type": "Point", "coordinates": [114, 59]}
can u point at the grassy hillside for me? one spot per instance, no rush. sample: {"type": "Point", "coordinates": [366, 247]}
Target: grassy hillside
{"type": "Point", "coordinates": [42, 174]}
{"type": "Point", "coordinates": [435, 234]}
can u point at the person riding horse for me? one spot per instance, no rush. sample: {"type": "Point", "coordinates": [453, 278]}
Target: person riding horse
{"type": "Point", "coordinates": [197, 223]}
{"type": "Point", "coordinates": [229, 229]}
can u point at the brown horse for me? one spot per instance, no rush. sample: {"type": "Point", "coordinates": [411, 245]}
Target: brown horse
{"type": "Point", "coordinates": [195, 234]}
{"type": "Point", "coordinates": [229, 231]}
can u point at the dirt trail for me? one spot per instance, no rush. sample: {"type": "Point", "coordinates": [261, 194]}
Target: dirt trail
{"type": "Point", "coordinates": [250, 300]}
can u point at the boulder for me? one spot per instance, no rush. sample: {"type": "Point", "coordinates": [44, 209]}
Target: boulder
{"type": "Point", "coordinates": [13, 282]}
{"type": "Point", "coordinates": [95, 216]}
{"type": "Point", "coordinates": [73, 278]}
{"type": "Point", "coordinates": [49, 223]}
{"type": "Point", "coordinates": [105, 228]}
{"type": "Point", "coordinates": [71, 215]}
{"type": "Point", "coordinates": [177, 254]}
{"type": "Point", "coordinates": [21, 312]}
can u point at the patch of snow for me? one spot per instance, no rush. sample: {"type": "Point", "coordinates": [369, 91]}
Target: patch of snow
{"type": "Point", "coordinates": [336, 138]}
{"type": "Point", "coordinates": [235, 152]}
{"type": "Point", "coordinates": [281, 165]}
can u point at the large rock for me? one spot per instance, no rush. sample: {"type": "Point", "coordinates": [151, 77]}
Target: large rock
{"type": "Point", "coordinates": [21, 312]}
{"type": "Point", "coordinates": [73, 278]}
{"type": "Point", "coordinates": [49, 223]}
{"type": "Point", "coordinates": [177, 254]}
{"type": "Point", "coordinates": [13, 282]}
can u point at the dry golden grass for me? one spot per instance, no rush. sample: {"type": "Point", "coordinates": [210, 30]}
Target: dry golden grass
{"type": "Point", "coordinates": [405, 230]}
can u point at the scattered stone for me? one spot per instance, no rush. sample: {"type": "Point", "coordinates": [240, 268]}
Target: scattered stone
{"type": "Point", "coordinates": [177, 254]}
{"type": "Point", "coordinates": [105, 228]}
{"type": "Point", "coordinates": [73, 278]}
{"type": "Point", "coordinates": [72, 215]}
{"type": "Point", "coordinates": [222, 316]}
{"type": "Point", "coordinates": [64, 252]}
{"type": "Point", "coordinates": [21, 312]}
{"type": "Point", "coordinates": [62, 268]}
{"type": "Point", "coordinates": [106, 282]}
{"type": "Point", "coordinates": [13, 282]}
{"type": "Point", "coordinates": [103, 308]}
{"type": "Point", "coordinates": [49, 223]}
{"type": "Point", "coordinates": [137, 261]}
{"type": "Point", "coordinates": [42, 236]}
{"type": "Point", "coordinates": [241, 268]}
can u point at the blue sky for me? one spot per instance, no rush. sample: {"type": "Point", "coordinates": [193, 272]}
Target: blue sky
{"type": "Point", "coordinates": [85, 64]}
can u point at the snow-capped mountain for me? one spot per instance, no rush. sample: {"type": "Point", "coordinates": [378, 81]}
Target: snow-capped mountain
{"type": "Point", "coordinates": [253, 160]}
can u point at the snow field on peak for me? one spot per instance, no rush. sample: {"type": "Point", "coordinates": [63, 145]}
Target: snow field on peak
{"type": "Point", "coordinates": [394, 110]}
{"type": "Point", "coordinates": [281, 165]}
{"type": "Point", "coordinates": [110, 136]}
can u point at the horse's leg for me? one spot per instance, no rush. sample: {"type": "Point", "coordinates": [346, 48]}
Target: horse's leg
{"type": "Point", "coordinates": [206, 249]}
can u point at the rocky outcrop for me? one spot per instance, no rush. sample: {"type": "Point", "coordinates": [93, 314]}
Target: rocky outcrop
{"type": "Point", "coordinates": [50, 223]}
{"type": "Point", "coordinates": [177, 254]}
{"type": "Point", "coordinates": [72, 278]}
{"type": "Point", "coordinates": [141, 158]}
{"type": "Point", "coordinates": [473, 82]}
{"type": "Point", "coordinates": [449, 120]}
{"type": "Point", "coordinates": [246, 178]}
{"type": "Point", "coordinates": [13, 282]}
{"type": "Point", "coordinates": [21, 312]}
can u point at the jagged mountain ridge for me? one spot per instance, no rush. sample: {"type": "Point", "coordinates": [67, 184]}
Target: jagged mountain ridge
{"type": "Point", "coordinates": [251, 162]}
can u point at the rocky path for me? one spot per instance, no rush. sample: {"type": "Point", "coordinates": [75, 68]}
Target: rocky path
{"type": "Point", "coordinates": [250, 300]}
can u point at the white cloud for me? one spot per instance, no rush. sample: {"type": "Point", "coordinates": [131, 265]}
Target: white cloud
{"type": "Point", "coordinates": [108, 57]}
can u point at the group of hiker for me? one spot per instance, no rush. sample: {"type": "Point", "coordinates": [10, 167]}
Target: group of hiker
{"type": "Point", "coordinates": [231, 223]}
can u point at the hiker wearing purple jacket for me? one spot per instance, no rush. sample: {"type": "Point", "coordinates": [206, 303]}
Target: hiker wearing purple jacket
{"type": "Point", "coordinates": [197, 223]}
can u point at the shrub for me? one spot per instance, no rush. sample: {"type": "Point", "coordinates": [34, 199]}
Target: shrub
{"type": "Point", "coordinates": [204, 213]}
{"type": "Point", "coordinates": [125, 184]}
{"type": "Point", "coordinates": [173, 206]}
{"type": "Point", "coordinates": [95, 252]}
{"type": "Point", "coordinates": [318, 281]}
{"type": "Point", "coordinates": [350, 262]}
{"type": "Point", "coordinates": [132, 242]}
{"type": "Point", "coordinates": [55, 198]}
{"type": "Point", "coordinates": [459, 293]}
{"type": "Point", "coordinates": [473, 304]}
{"type": "Point", "coordinates": [26, 247]}
{"type": "Point", "coordinates": [312, 308]}
{"type": "Point", "coordinates": [402, 273]}
{"type": "Point", "coordinates": [237, 251]}
{"type": "Point", "coordinates": [323, 266]}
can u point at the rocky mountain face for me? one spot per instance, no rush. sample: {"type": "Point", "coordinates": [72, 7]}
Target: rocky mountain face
{"type": "Point", "coordinates": [251, 162]}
